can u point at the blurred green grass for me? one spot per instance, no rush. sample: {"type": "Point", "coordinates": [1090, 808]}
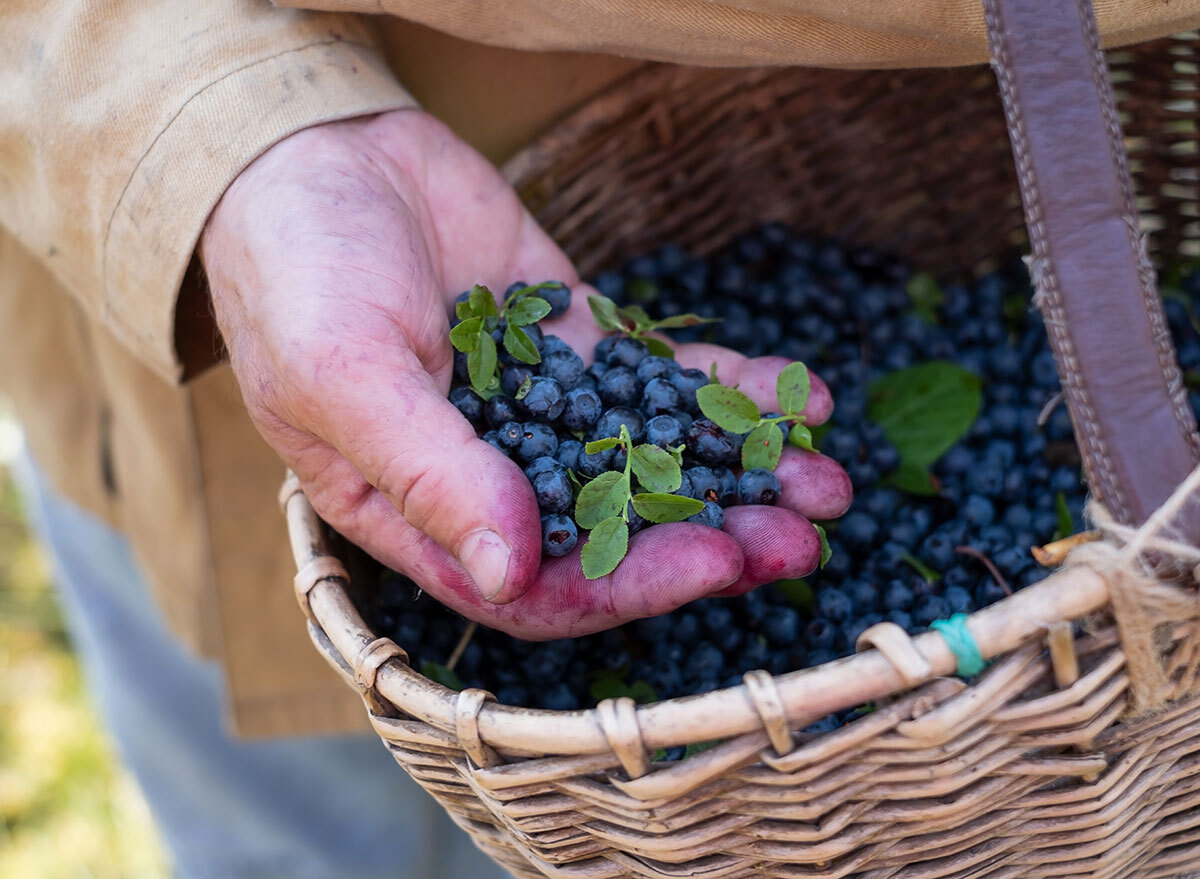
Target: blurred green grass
{"type": "Point", "coordinates": [67, 808]}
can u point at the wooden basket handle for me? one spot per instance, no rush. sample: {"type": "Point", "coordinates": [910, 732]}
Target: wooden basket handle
{"type": "Point", "coordinates": [1095, 284]}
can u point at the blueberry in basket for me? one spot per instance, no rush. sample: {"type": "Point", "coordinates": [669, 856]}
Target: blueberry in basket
{"type": "Point", "coordinates": [948, 418]}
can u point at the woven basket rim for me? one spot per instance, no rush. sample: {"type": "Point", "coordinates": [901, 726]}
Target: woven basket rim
{"type": "Point", "coordinates": [894, 666]}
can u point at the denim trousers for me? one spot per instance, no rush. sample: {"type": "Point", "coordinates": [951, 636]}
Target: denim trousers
{"type": "Point", "coordinates": [335, 807]}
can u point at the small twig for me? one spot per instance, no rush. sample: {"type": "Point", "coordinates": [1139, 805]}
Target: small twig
{"type": "Point", "coordinates": [987, 563]}
{"type": "Point", "coordinates": [461, 646]}
{"type": "Point", "coordinates": [1052, 554]}
{"type": "Point", "coordinates": [1049, 408]}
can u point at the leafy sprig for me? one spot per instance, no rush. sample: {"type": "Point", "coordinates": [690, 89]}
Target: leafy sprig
{"type": "Point", "coordinates": [604, 503]}
{"type": "Point", "coordinates": [732, 410]}
{"type": "Point", "coordinates": [479, 318]}
{"type": "Point", "coordinates": [633, 321]}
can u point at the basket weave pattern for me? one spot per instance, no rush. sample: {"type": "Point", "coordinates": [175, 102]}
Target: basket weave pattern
{"type": "Point", "coordinates": [1036, 769]}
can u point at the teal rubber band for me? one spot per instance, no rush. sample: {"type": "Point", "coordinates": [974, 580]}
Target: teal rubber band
{"type": "Point", "coordinates": [961, 643]}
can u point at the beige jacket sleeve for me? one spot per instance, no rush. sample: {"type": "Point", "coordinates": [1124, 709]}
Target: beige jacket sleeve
{"type": "Point", "coordinates": [122, 123]}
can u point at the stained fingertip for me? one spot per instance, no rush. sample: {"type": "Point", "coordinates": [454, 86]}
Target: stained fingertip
{"type": "Point", "coordinates": [815, 486]}
{"type": "Point", "coordinates": [776, 544]}
{"type": "Point", "coordinates": [670, 565]}
{"type": "Point", "coordinates": [820, 401]}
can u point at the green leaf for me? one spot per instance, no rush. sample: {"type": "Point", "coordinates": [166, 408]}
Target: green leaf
{"type": "Point", "coordinates": [655, 469]}
{"type": "Point", "coordinates": [801, 437]}
{"type": "Point", "coordinates": [529, 310]}
{"type": "Point", "coordinates": [792, 388]}
{"type": "Point", "coordinates": [606, 546]}
{"type": "Point", "coordinates": [641, 290]}
{"type": "Point", "coordinates": [826, 549]}
{"type": "Point", "coordinates": [462, 310]}
{"type": "Point", "coordinates": [481, 363]}
{"type": "Point", "coordinates": [926, 296]}
{"type": "Point", "coordinates": [657, 507]}
{"type": "Point", "coordinates": [762, 447]}
{"type": "Point", "coordinates": [602, 498]}
{"type": "Point", "coordinates": [1066, 523]}
{"type": "Point", "coordinates": [636, 315]}
{"type": "Point", "coordinates": [610, 684]}
{"type": "Point", "coordinates": [600, 445]}
{"type": "Point", "coordinates": [712, 374]}
{"type": "Point", "coordinates": [604, 310]}
{"type": "Point", "coordinates": [574, 477]}
{"type": "Point", "coordinates": [523, 390]}
{"type": "Point", "coordinates": [438, 673]}
{"type": "Point", "coordinates": [483, 303]}
{"type": "Point", "coordinates": [925, 409]}
{"type": "Point", "coordinates": [798, 592]}
{"type": "Point", "coordinates": [678, 321]}
{"type": "Point", "coordinates": [728, 407]}
{"type": "Point", "coordinates": [914, 480]}
{"type": "Point", "coordinates": [465, 336]}
{"type": "Point", "coordinates": [519, 345]}
{"type": "Point", "coordinates": [699, 748]}
{"type": "Point", "coordinates": [928, 573]}
{"type": "Point", "coordinates": [677, 454]}
{"type": "Point", "coordinates": [659, 348]}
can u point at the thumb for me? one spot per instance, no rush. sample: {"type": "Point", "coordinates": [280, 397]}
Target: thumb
{"type": "Point", "coordinates": [418, 451]}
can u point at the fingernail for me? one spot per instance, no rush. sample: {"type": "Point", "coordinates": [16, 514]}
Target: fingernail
{"type": "Point", "coordinates": [485, 556]}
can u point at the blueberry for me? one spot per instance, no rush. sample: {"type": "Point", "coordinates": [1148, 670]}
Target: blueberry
{"type": "Point", "coordinates": [958, 599]}
{"type": "Point", "coordinates": [619, 386]}
{"type": "Point", "coordinates": [609, 424]}
{"type": "Point", "coordinates": [542, 465]}
{"type": "Point", "coordinates": [937, 550]}
{"type": "Point", "coordinates": [513, 694]}
{"type": "Point", "coordinates": [930, 608]}
{"type": "Point", "coordinates": [636, 522]}
{"type": "Point", "coordinates": [863, 594]}
{"type": "Point", "coordinates": [511, 434]}
{"type": "Point", "coordinates": [897, 595]}
{"type": "Point", "coordinates": [708, 443]}
{"type": "Point", "coordinates": [559, 698]}
{"type": "Point", "coordinates": [653, 366]}
{"type": "Point", "coordinates": [703, 483]}
{"type": "Point", "coordinates": [758, 486]}
{"type": "Point", "coordinates": [595, 371]}
{"type": "Point", "coordinates": [513, 376]}
{"type": "Point", "coordinates": [545, 400]}
{"type": "Point", "coordinates": [559, 534]}
{"type": "Point", "coordinates": [712, 515]}
{"type": "Point", "coordinates": [859, 531]}
{"type": "Point", "coordinates": [469, 404]}
{"type": "Point", "coordinates": [834, 604]}
{"type": "Point", "coordinates": [593, 464]}
{"type": "Point", "coordinates": [664, 431]}
{"type": "Point", "coordinates": [727, 486]}
{"type": "Point", "coordinates": [553, 490]}
{"type": "Point", "coordinates": [500, 409]}
{"type": "Point", "coordinates": [782, 627]}
{"type": "Point", "coordinates": [558, 296]}
{"type": "Point", "coordinates": [627, 352]}
{"type": "Point", "coordinates": [565, 367]}
{"type": "Point", "coordinates": [687, 382]}
{"type": "Point", "coordinates": [659, 397]}
{"type": "Point", "coordinates": [820, 634]}
{"type": "Point", "coordinates": [536, 440]}
{"type": "Point", "coordinates": [604, 348]}
{"type": "Point", "coordinates": [552, 343]}
{"type": "Point", "coordinates": [986, 479]}
{"type": "Point", "coordinates": [705, 660]}
{"type": "Point", "coordinates": [989, 592]}
{"type": "Point", "coordinates": [901, 618]}
{"type": "Point", "coordinates": [582, 409]}
{"type": "Point", "coordinates": [492, 438]}
{"type": "Point", "coordinates": [978, 511]}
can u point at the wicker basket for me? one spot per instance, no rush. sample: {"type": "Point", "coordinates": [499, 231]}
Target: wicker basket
{"type": "Point", "coordinates": [1039, 768]}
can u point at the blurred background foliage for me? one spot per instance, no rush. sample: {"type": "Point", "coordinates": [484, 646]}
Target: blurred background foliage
{"type": "Point", "coordinates": [67, 808]}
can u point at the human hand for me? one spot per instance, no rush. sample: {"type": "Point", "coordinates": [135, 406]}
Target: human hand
{"type": "Point", "coordinates": [333, 260]}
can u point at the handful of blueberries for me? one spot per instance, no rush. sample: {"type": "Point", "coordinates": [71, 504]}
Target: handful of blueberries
{"type": "Point", "coordinates": [587, 436]}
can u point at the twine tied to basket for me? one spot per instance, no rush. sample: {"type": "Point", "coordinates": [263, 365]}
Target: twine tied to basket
{"type": "Point", "coordinates": [1149, 571]}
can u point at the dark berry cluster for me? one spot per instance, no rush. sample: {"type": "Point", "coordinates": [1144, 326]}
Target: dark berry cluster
{"type": "Point", "coordinates": [618, 445]}
{"type": "Point", "coordinates": [1012, 482]}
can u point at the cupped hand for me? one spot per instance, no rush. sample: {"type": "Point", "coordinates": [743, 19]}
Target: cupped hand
{"type": "Point", "coordinates": [332, 261]}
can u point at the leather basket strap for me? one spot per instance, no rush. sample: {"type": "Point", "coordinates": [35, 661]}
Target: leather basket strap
{"type": "Point", "coordinates": [1094, 282]}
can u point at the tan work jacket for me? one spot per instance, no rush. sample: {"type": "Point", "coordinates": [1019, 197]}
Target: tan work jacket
{"type": "Point", "coordinates": [122, 123]}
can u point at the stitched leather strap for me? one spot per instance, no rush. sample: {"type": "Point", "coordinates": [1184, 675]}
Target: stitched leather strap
{"type": "Point", "coordinates": [1094, 282]}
